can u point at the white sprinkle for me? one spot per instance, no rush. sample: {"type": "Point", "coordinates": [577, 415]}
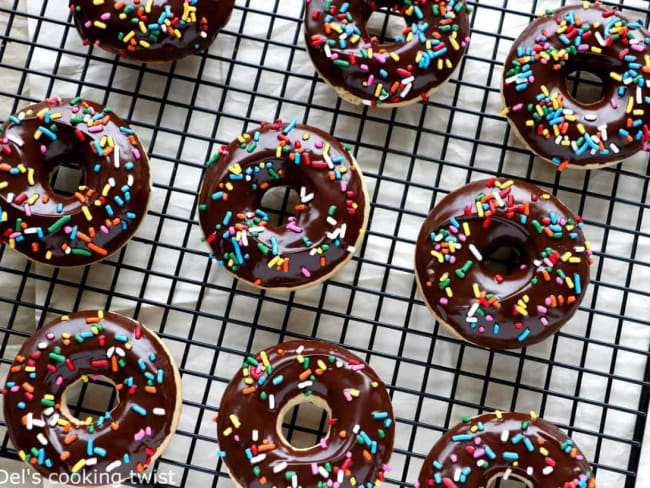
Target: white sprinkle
{"type": "Point", "coordinates": [591, 117]}
{"type": "Point", "coordinates": [110, 352]}
{"type": "Point", "coordinates": [258, 459]}
{"type": "Point", "coordinates": [28, 421]}
{"type": "Point", "coordinates": [159, 411]}
{"type": "Point", "coordinates": [614, 148]}
{"type": "Point", "coordinates": [457, 473]}
{"type": "Point", "coordinates": [113, 465]}
{"type": "Point", "coordinates": [255, 435]}
{"type": "Point", "coordinates": [116, 159]}
{"type": "Point", "coordinates": [505, 435]}
{"type": "Point", "coordinates": [280, 467]}
{"type": "Point", "coordinates": [39, 423]}
{"type": "Point", "coordinates": [331, 221]}
{"type": "Point", "coordinates": [91, 461]}
{"type": "Point", "coordinates": [129, 180]}
{"type": "Point", "coordinates": [339, 476]}
{"type": "Point", "coordinates": [271, 402]}
{"type": "Point", "coordinates": [506, 475]}
{"type": "Point", "coordinates": [323, 472]}
{"type": "Point", "coordinates": [48, 411]}
{"type": "Point", "coordinates": [305, 384]}
{"type": "Point", "coordinates": [356, 429]}
{"type": "Point", "coordinates": [42, 439]}
{"type": "Point", "coordinates": [53, 420]}
{"type": "Point", "coordinates": [111, 181]}
{"type": "Point", "coordinates": [475, 252]}
{"type": "Point", "coordinates": [547, 470]}
{"type": "Point", "coordinates": [294, 481]}
{"type": "Point", "coordinates": [351, 249]}
{"type": "Point", "coordinates": [344, 229]}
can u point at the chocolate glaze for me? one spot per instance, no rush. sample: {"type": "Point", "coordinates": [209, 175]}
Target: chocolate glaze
{"type": "Point", "coordinates": [321, 185]}
{"type": "Point", "coordinates": [54, 229]}
{"type": "Point", "coordinates": [194, 34]}
{"type": "Point", "coordinates": [333, 377]}
{"type": "Point", "coordinates": [55, 370]}
{"type": "Point", "coordinates": [532, 466]}
{"type": "Point", "coordinates": [354, 79]}
{"type": "Point", "coordinates": [505, 228]}
{"type": "Point", "coordinates": [610, 111]}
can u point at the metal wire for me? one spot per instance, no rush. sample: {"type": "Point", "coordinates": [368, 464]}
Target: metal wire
{"type": "Point", "coordinates": [431, 411]}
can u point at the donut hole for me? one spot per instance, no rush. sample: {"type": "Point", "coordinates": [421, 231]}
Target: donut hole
{"type": "Point", "coordinates": [303, 422]}
{"type": "Point", "coordinates": [504, 260]}
{"type": "Point", "coordinates": [512, 481]}
{"type": "Point", "coordinates": [386, 25]}
{"type": "Point", "coordinates": [86, 401]}
{"type": "Point", "coordinates": [587, 87]}
{"type": "Point", "coordinates": [279, 202]}
{"type": "Point", "coordinates": [66, 178]}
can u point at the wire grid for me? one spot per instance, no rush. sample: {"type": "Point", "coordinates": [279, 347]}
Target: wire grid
{"type": "Point", "coordinates": [592, 378]}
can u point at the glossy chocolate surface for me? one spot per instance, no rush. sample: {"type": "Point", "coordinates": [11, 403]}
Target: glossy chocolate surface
{"type": "Point", "coordinates": [407, 69]}
{"type": "Point", "coordinates": [103, 213]}
{"type": "Point", "coordinates": [329, 220]}
{"type": "Point", "coordinates": [514, 310]}
{"type": "Point", "coordinates": [59, 355]}
{"type": "Point", "coordinates": [361, 413]}
{"type": "Point", "coordinates": [617, 129]}
{"type": "Point", "coordinates": [516, 445]}
{"type": "Point", "coordinates": [151, 30]}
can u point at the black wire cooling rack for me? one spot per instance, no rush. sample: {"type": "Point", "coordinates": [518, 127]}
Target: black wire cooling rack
{"type": "Point", "coordinates": [592, 378]}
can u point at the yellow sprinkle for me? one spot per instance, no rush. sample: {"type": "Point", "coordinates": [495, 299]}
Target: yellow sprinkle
{"type": "Point", "coordinates": [265, 359]}
{"type": "Point", "coordinates": [235, 420]}
{"type": "Point", "coordinates": [80, 464]}
{"type": "Point", "coordinates": [477, 290]}
{"type": "Point", "coordinates": [499, 414]}
{"type": "Point", "coordinates": [30, 176]}
{"type": "Point", "coordinates": [227, 431]}
{"type": "Point", "coordinates": [87, 213]}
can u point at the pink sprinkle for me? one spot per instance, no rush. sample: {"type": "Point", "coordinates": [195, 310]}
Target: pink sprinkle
{"type": "Point", "coordinates": [323, 443]}
{"type": "Point", "coordinates": [43, 148]}
{"type": "Point", "coordinates": [148, 430]}
{"type": "Point", "coordinates": [136, 153]}
{"type": "Point", "coordinates": [50, 336]}
{"type": "Point", "coordinates": [452, 259]}
{"type": "Point", "coordinates": [613, 103]}
{"type": "Point", "coordinates": [88, 24]}
{"type": "Point", "coordinates": [104, 229]}
{"type": "Point", "coordinates": [28, 210]}
{"type": "Point", "coordinates": [379, 58]}
{"type": "Point", "coordinates": [541, 309]}
{"type": "Point", "coordinates": [444, 301]}
{"type": "Point", "coordinates": [347, 396]}
{"type": "Point", "coordinates": [96, 128]}
{"type": "Point", "coordinates": [558, 280]}
{"type": "Point", "coordinates": [314, 469]}
{"type": "Point", "coordinates": [236, 437]}
{"type": "Point", "coordinates": [453, 458]}
{"type": "Point", "coordinates": [305, 272]}
{"type": "Point", "coordinates": [478, 453]}
{"type": "Point", "coordinates": [358, 367]}
{"type": "Point", "coordinates": [59, 380]}
{"type": "Point", "coordinates": [489, 318]}
{"type": "Point", "coordinates": [517, 107]}
{"type": "Point", "coordinates": [544, 321]}
{"type": "Point", "coordinates": [583, 47]}
{"type": "Point", "coordinates": [294, 228]}
{"type": "Point", "coordinates": [319, 144]}
{"type": "Point", "coordinates": [548, 301]}
{"type": "Point", "coordinates": [139, 435]}
{"type": "Point", "coordinates": [481, 329]}
{"type": "Point", "coordinates": [364, 67]}
{"type": "Point", "coordinates": [105, 16]}
{"type": "Point", "coordinates": [462, 237]}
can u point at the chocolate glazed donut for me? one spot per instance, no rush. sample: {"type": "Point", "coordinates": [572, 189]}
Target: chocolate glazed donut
{"type": "Point", "coordinates": [364, 71]}
{"type": "Point", "coordinates": [151, 31]}
{"type": "Point", "coordinates": [506, 446]}
{"type": "Point", "coordinates": [89, 346]}
{"type": "Point", "coordinates": [329, 221]}
{"type": "Point", "coordinates": [540, 293]}
{"type": "Point", "coordinates": [104, 212]}
{"type": "Point", "coordinates": [360, 438]}
{"type": "Point", "coordinates": [540, 107]}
